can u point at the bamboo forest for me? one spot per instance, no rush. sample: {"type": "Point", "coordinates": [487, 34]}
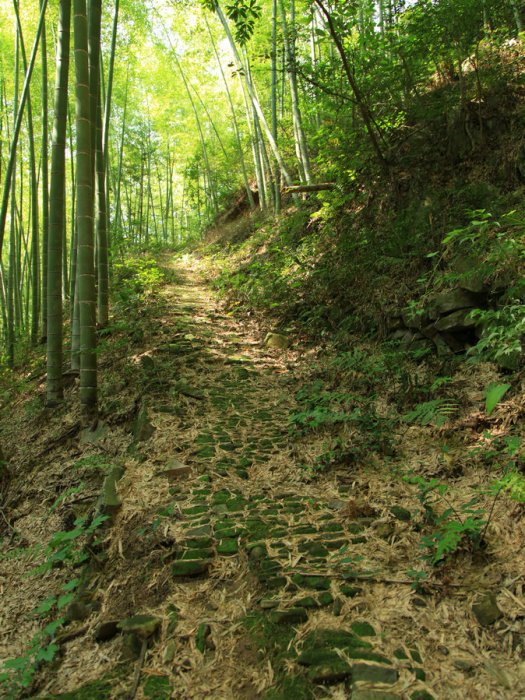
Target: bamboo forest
{"type": "Point", "coordinates": [262, 349]}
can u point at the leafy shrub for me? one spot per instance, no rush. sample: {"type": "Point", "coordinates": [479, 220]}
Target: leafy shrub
{"type": "Point", "coordinates": [453, 527]}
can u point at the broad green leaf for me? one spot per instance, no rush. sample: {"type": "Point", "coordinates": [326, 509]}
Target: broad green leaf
{"type": "Point", "coordinates": [493, 395]}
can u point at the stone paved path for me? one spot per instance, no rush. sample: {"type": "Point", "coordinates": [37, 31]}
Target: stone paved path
{"type": "Point", "coordinates": [250, 570]}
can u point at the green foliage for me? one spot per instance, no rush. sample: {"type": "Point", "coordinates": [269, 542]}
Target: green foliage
{"type": "Point", "coordinates": [513, 484]}
{"type": "Point", "coordinates": [502, 336]}
{"type": "Point", "coordinates": [493, 395]}
{"type": "Point", "coordinates": [435, 412]}
{"type": "Point", "coordinates": [19, 672]}
{"type": "Point", "coordinates": [65, 548]}
{"type": "Point", "coordinates": [453, 528]}
{"type": "Point", "coordinates": [140, 276]}
{"type": "Point", "coordinates": [93, 463]}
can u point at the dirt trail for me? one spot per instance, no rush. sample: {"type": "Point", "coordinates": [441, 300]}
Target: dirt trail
{"type": "Point", "coordinates": [265, 585]}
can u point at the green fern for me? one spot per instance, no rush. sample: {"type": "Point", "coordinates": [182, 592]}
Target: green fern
{"type": "Point", "coordinates": [435, 412]}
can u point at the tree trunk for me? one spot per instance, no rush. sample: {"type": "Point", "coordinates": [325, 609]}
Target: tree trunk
{"type": "Point", "coordinates": [45, 178]}
{"type": "Point", "coordinates": [289, 47]}
{"type": "Point", "coordinates": [57, 210]}
{"type": "Point", "coordinates": [18, 124]}
{"type": "Point", "coordinates": [358, 96]}
{"type": "Point", "coordinates": [85, 262]}
{"type": "Point", "coordinates": [253, 98]}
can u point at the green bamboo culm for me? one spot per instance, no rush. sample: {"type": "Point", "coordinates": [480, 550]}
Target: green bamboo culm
{"type": "Point", "coordinates": [57, 210]}
{"type": "Point", "coordinates": [85, 228]}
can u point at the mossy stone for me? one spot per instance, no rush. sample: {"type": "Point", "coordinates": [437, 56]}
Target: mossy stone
{"type": "Point", "coordinates": [325, 598]}
{"type": "Point", "coordinates": [202, 530]}
{"type": "Point", "coordinates": [257, 552]}
{"type": "Point", "coordinates": [304, 530]}
{"type": "Point", "coordinates": [278, 532]}
{"type": "Point", "coordinates": [199, 553]}
{"type": "Point", "coordinates": [401, 513]}
{"type": "Point", "coordinates": [416, 656]}
{"type": "Point", "coordinates": [350, 591]}
{"type": "Point", "coordinates": [358, 540]}
{"type": "Point", "coordinates": [131, 646]}
{"type": "Point", "coordinates": [292, 616]}
{"type": "Point", "coordinates": [274, 582]}
{"type": "Point", "coordinates": [205, 453]}
{"type": "Point", "coordinates": [419, 673]}
{"type": "Point", "coordinates": [324, 638]}
{"type": "Point", "coordinates": [221, 497]}
{"type": "Point", "coordinates": [143, 626]}
{"type": "Point", "coordinates": [236, 505]}
{"type": "Point", "coordinates": [487, 610]}
{"type": "Point", "coordinates": [157, 688]}
{"type": "Point", "coordinates": [316, 583]}
{"type": "Point", "coordinates": [401, 654]}
{"type": "Point", "coordinates": [190, 568]}
{"type": "Point", "coordinates": [307, 602]}
{"type": "Point", "coordinates": [228, 547]}
{"type": "Point", "coordinates": [198, 542]}
{"type": "Point", "coordinates": [229, 531]}
{"type": "Point", "coordinates": [374, 674]}
{"type": "Point", "coordinates": [332, 545]}
{"type": "Point", "coordinates": [195, 510]}
{"type": "Point", "coordinates": [330, 672]}
{"type": "Point", "coordinates": [220, 509]}
{"type": "Point", "coordinates": [332, 527]}
{"type": "Point", "coordinates": [363, 629]}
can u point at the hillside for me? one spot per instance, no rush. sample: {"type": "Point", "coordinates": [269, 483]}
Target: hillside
{"type": "Point", "coordinates": [262, 370]}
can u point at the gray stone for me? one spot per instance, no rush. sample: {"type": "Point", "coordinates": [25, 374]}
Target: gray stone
{"type": "Point", "coordinates": [415, 321]}
{"type": "Point", "coordinates": [334, 639]}
{"type": "Point", "coordinates": [78, 611]}
{"type": "Point", "coordinates": [456, 321]}
{"type": "Point", "coordinates": [175, 470]}
{"type": "Point", "coordinates": [374, 674]}
{"type": "Point", "coordinates": [143, 626]}
{"type": "Point", "coordinates": [200, 531]}
{"type": "Point", "coordinates": [292, 616]}
{"type": "Point", "coordinates": [190, 567]}
{"type": "Point", "coordinates": [92, 436]}
{"type": "Point", "coordinates": [455, 300]}
{"type": "Point", "coordinates": [464, 665]}
{"type": "Point", "coordinates": [330, 672]}
{"type": "Point", "coordinates": [487, 611]}
{"type": "Point", "coordinates": [169, 652]}
{"type": "Point", "coordinates": [277, 341]}
{"type": "Point", "coordinates": [131, 646]}
{"type": "Point", "coordinates": [110, 501]}
{"type": "Point", "coordinates": [143, 429]}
